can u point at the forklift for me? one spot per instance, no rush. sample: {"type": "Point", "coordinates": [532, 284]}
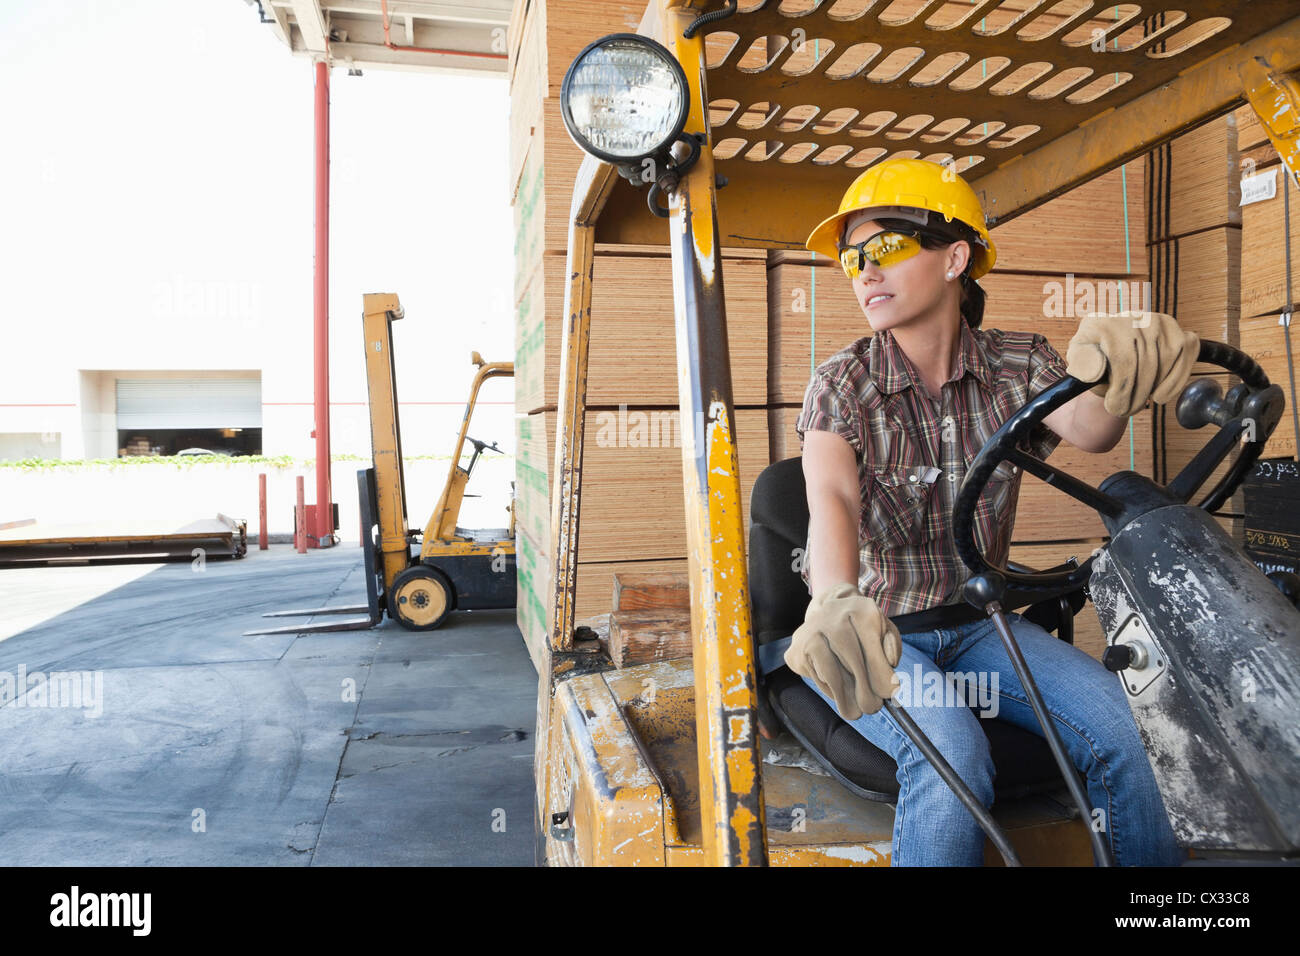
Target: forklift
{"type": "Point", "coordinates": [417, 576]}
{"type": "Point", "coordinates": [663, 764]}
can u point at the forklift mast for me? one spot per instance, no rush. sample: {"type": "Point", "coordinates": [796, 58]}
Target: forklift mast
{"type": "Point", "coordinates": [457, 568]}
{"type": "Point", "coordinates": [379, 311]}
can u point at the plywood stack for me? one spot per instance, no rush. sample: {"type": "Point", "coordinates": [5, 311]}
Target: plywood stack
{"type": "Point", "coordinates": [1194, 247]}
{"type": "Point", "coordinates": [543, 37]}
{"type": "Point", "coordinates": [1270, 236]}
{"type": "Point", "coordinates": [632, 356]}
{"type": "Point", "coordinates": [1053, 262]}
{"type": "Point", "coordinates": [1276, 347]}
{"type": "Point", "coordinates": [633, 510]}
{"type": "Point", "coordinates": [633, 513]}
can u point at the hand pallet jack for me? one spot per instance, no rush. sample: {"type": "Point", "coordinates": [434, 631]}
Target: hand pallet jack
{"type": "Point", "coordinates": [455, 568]}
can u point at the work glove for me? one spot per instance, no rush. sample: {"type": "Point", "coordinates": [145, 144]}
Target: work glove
{"type": "Point", "coordinates": [1149, 357]}
{"type": "Point", "coordinates": [849, 649]}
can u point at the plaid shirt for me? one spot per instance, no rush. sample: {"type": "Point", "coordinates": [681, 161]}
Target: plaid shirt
{"type": "Point", "coordinates": [912, 454]}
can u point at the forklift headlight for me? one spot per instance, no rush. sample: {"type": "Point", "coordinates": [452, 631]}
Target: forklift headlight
{"type": "Point", "coordinates": [625, 98]}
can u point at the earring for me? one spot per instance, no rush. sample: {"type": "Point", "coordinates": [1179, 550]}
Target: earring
{"type": "Point", "coordinates": [949, 275]}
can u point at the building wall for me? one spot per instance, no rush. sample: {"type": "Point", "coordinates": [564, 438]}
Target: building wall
{"type": "Point", "coordinates": [190, 250]}
{"type": "Point", "coordinates": [82, 423]}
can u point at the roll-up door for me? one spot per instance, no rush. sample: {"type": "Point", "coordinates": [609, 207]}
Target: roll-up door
{"type": "Point", "coordinates": [189, 403]}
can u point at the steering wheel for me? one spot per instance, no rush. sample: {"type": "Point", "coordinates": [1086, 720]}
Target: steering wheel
{"type": "Point", "coordinates": [1253, 407]}
{"type": "Point", "coordinates": [480, 445]}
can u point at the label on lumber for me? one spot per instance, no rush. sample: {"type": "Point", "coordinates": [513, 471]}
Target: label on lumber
{"type": "Point", "coordinates": [1259, 187]}
{"type": "Point", "coordinates": [1275, 471]}
{"type": "Point", "coordinates": [1274, 542]}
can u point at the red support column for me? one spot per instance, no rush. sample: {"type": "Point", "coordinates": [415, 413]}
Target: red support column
{"type": "Point", "coordinates": [300, 519]}
{"type": "Point", "coordinates": [323, 529]}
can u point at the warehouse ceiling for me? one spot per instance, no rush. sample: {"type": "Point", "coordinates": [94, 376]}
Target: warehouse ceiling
{"type": "Point", "coordinates": [460, 36]}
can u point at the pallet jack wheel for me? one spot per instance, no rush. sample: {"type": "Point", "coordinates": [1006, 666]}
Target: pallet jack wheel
{"type": "Point", "coordinates": [420, 598]}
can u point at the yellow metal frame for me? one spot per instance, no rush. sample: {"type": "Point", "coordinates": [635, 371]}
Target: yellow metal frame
{"type": "Point", "coordinates": [731, 804]}
{"type": "Point", "coordinates": [440, 535]}
{"type": "Point", "coordinates": [379, 311]}
{"type": "Point", "coordinates": [1169, 96]}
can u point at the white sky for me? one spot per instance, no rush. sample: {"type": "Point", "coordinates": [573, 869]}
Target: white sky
{"type": "Point", "coordinates": [154, 147]}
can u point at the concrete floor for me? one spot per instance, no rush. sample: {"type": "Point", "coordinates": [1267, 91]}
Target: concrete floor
{"type": "Point", "coordinates": [351, 748]}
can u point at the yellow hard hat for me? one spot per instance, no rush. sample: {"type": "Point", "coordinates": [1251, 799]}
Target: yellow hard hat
{"type": "Point", "coordinates": [897, 187]}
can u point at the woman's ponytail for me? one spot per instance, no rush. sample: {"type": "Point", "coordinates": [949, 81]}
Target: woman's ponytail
{"type": "Point", "coordinates": [972, 301]}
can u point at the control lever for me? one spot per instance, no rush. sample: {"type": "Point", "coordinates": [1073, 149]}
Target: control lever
{"type": "Point", "coordinates": [986, 591]}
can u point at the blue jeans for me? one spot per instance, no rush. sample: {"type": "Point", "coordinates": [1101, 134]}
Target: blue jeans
{"type": "Point", "coordinates": [1092, 717]}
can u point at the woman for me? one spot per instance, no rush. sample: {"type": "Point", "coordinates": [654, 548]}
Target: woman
{"type": "Point", "coordinates": [888, 427]}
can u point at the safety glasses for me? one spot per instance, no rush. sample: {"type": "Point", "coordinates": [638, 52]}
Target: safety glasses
{"type": "Point", "coordinates": [883, 250]}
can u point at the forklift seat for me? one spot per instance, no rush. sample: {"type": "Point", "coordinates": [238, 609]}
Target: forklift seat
{"type": "Point", "coordinates": [778, 530]}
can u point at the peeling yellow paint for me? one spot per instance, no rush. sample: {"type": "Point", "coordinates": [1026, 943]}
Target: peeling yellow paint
{"type": "Point", "coordinates": [1275, 98]}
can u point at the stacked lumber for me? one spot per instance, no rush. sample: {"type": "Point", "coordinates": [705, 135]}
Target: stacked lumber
{"type": "Point", "coordinates": [1266, 339]}
{"type": "Point", "coordinates": [1264, 232]}
{"type": "Point", "coordinates": [1194, 230]}
{"type": "Point", "coordinates": [632, 355]}
{"type": "Point", "coordinates": [543, 38]}
{"type": "Point", "coordinates": [632, 499]}
{"type": "Point", "coordinates": [1270, 234]}
{"type": "Point", "coordinates": [649, 618]}
{"type": "Point", "coordinates": [1194, 182]}
{"type": "Point", "coordinates": [1250, 132]}
{"type": "Point", "coordinates": [1195, 251]}
{"type": "Point", "coordinates": [633, 506]}
{"type": "Point", "coordinates": [633, 513]}
{"type": "Point", "coordinates": [595, 583]}
{"type": "Point", "coordinates": [1265, 239]}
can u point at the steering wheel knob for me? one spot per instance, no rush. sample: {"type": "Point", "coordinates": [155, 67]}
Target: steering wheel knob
{"type": "Point", "coordinates": [1195, 404]}
{"type": "Point", "coordinates": [984, 588]}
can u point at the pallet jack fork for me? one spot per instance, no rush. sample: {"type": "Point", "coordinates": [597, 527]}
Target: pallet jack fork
{"type": "Point", "coordinates": [455, 568]}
